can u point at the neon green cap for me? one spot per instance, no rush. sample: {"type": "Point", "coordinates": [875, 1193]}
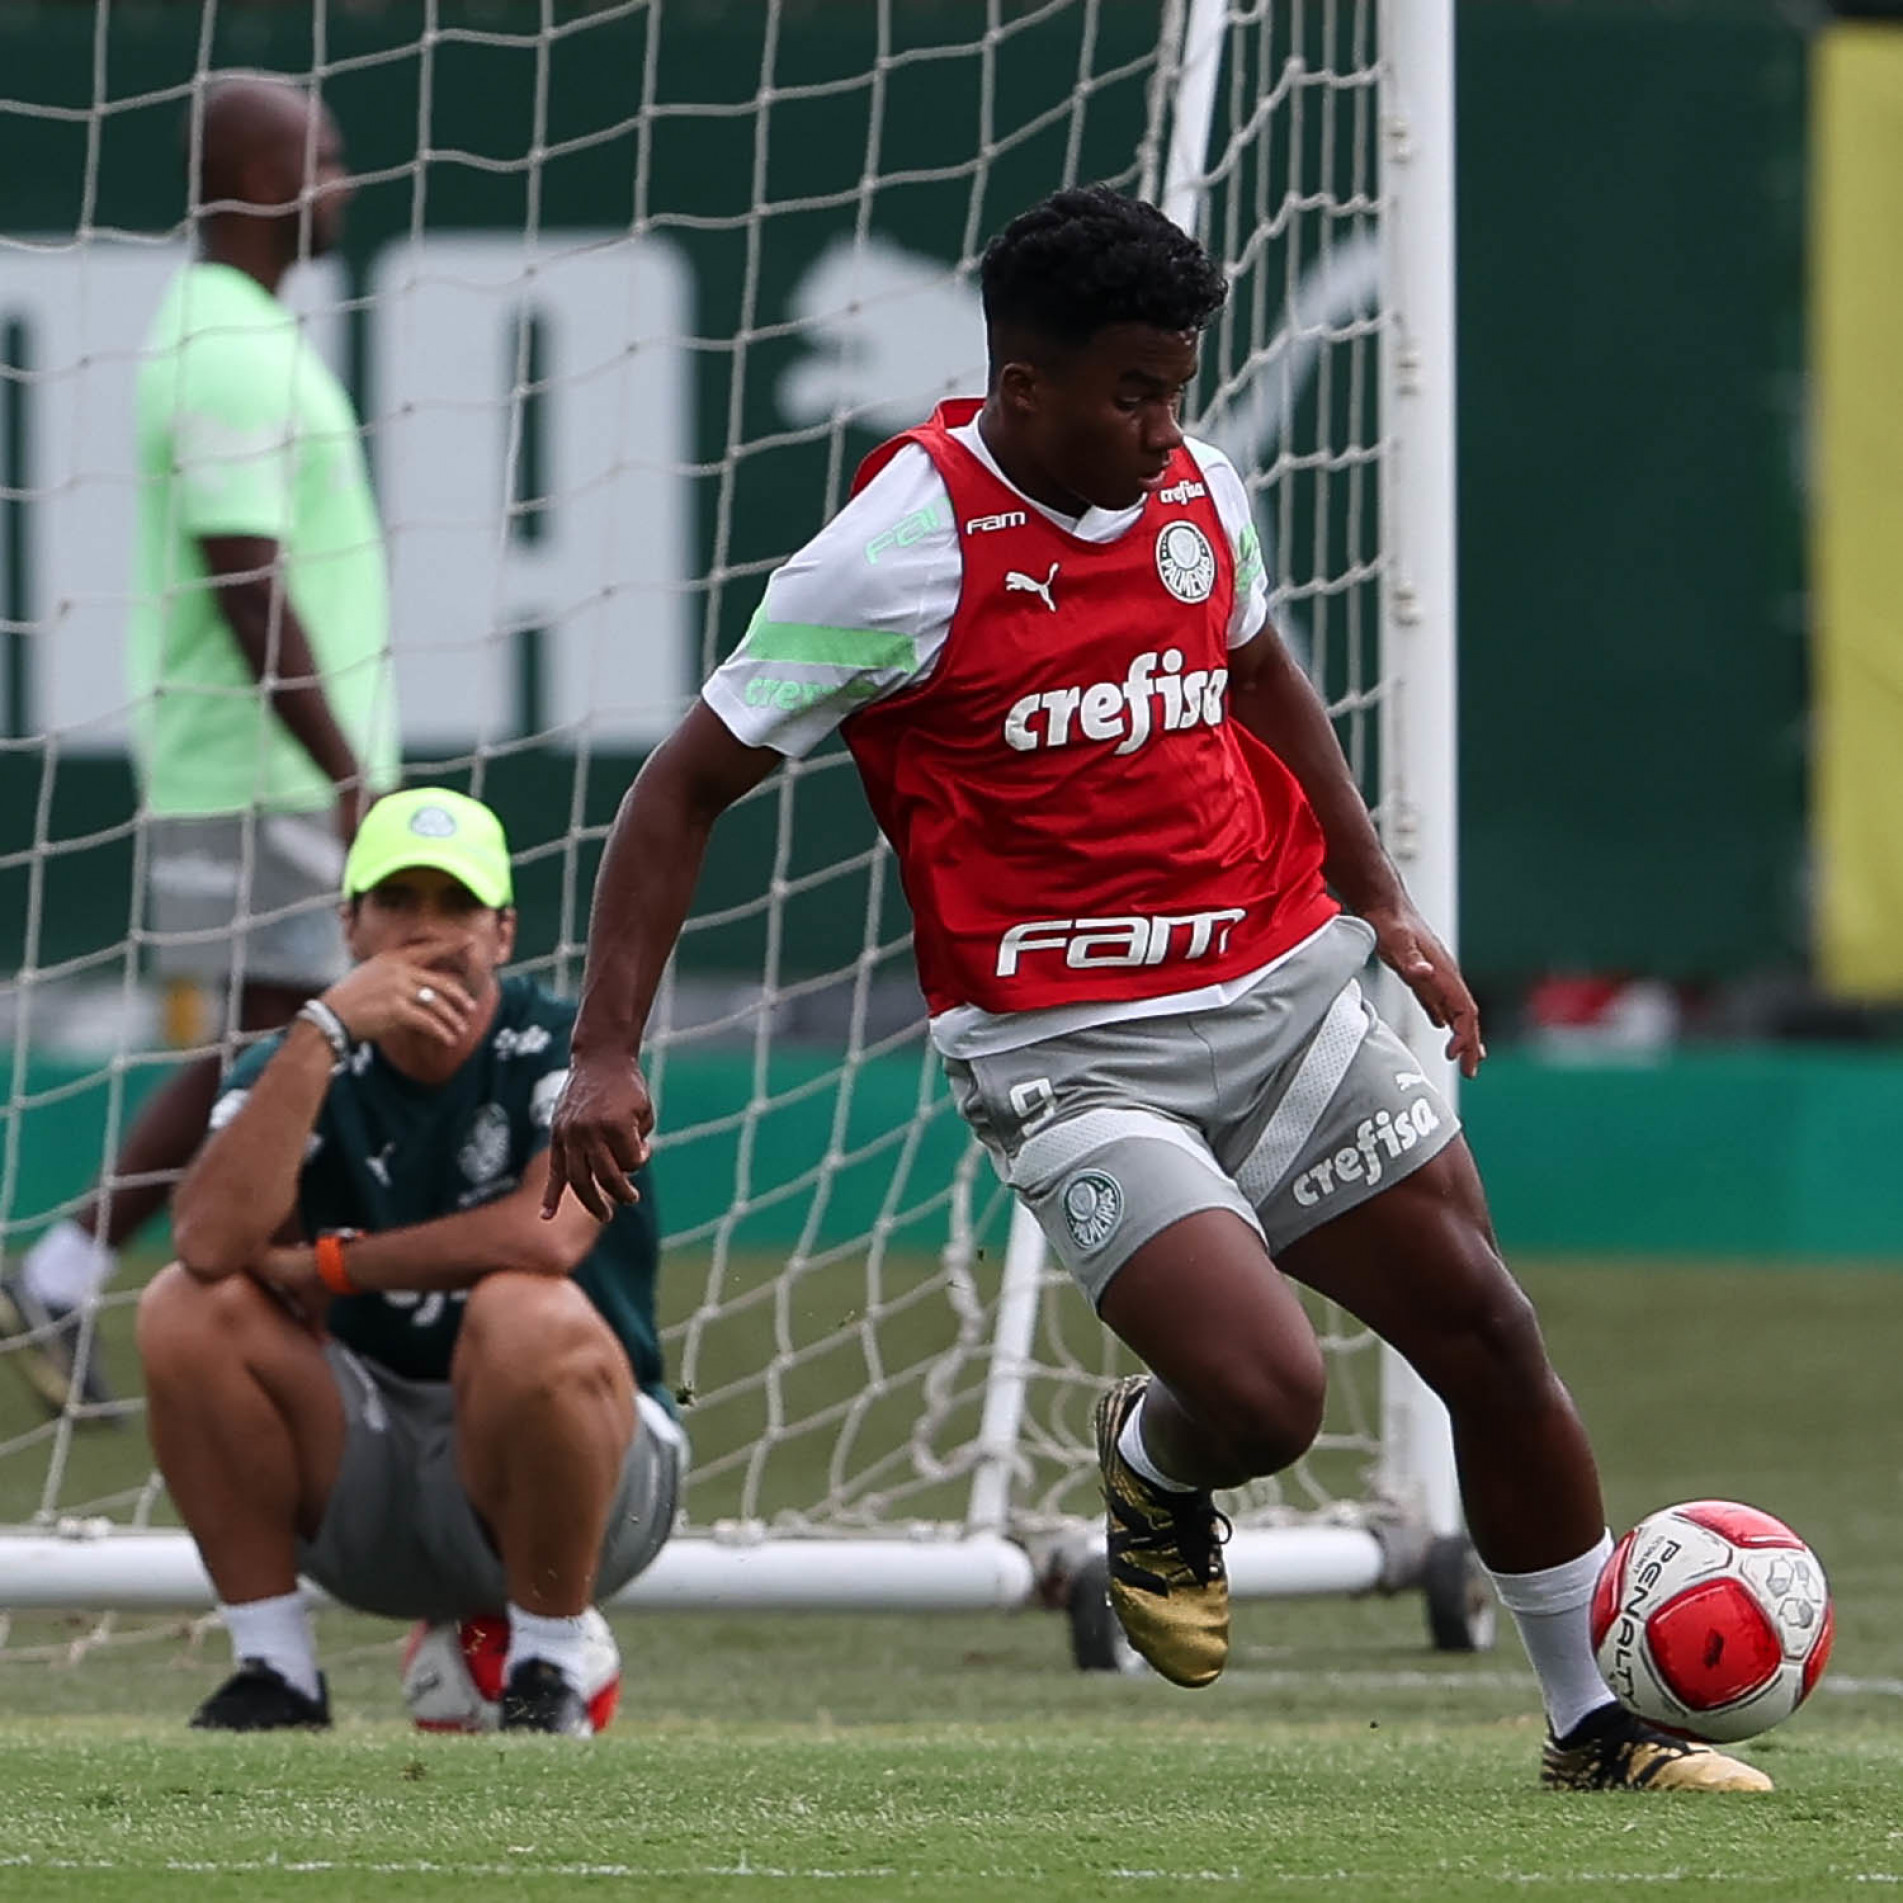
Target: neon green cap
{"type": "Point", "coordinates": [431, 826]}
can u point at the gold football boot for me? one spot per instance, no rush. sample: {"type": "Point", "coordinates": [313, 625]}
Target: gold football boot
{"type": "Point", "coordinates": [1614, 1751]}
{"type": "Point", "coordinates": [1167, 1583]}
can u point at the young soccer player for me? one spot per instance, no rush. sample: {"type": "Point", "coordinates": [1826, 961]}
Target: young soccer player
{"type": "Point", "coordinates": [1143, 884]}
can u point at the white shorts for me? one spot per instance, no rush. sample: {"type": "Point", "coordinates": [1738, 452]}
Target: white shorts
{"type": "Point", "coordinates": [257, 893]}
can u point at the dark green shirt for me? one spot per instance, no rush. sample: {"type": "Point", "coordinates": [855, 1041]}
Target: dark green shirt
{"type": "Point", "coordinates": [387, 1152]}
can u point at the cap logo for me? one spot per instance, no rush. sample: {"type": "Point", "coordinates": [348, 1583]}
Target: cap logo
{"type": "Point", "coordinates": [433, 822]}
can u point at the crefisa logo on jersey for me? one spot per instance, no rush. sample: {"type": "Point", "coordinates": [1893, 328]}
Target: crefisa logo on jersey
{"type": "Point", "coordinates": [486, 1148]}
{"type": "Point", "coordinates": [1155, 695]}
{"type": "Point", "coordinates": [1093, 1206]}
{"type": "Point", "coordinates": [1185, 561]}
{"type": "Point", "coordinates": [1180, 492]}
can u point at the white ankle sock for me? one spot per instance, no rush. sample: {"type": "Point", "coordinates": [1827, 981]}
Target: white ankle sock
{"type": "Point", "coordinates": [1552, 1608]}
{"type": "Point", "coordinates": [66, 1267]}
{"type": "Point", "coordinates": [279, 1632]}
{"type": "Point", "coordinates": [1131, 1446]}
{"type": "Point", "coordinates": [534, 1635]}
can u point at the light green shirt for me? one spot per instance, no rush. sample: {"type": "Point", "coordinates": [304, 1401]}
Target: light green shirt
{"type": "Point", "coordinates": [243, 430]}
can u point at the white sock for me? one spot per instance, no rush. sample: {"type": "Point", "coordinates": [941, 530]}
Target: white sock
{"type": "Point", "coordinates": [533, 1635]}
{"type": "Point", "coordinates": [1551, 1609]}
{"type": "Point", "coordinates": [1131, 1446]}
{"type": "Point", "coordinates": [66, 1268]}
{"type": "Point", "coordinates": [279, 1632]}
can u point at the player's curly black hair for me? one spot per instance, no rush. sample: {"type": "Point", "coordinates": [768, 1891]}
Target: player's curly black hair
{"type": "Point", "coordinates": [1087, 258]}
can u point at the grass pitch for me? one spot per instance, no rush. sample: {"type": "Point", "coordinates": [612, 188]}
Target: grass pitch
{"type": "Point", "coordinates": [895, 1757]}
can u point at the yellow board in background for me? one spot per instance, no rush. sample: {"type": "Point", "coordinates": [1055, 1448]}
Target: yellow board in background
{"type": "Point", "coordinates": [186, 1015]}
{"type": "Point", "coordinates": [1857, 507]}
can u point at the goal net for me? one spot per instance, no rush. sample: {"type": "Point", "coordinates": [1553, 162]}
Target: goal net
{"type": "Point", "coordinates": [626, 292]}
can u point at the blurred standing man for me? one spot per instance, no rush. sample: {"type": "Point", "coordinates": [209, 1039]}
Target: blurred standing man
{"type": "Point", "coordinates": [258, 659]}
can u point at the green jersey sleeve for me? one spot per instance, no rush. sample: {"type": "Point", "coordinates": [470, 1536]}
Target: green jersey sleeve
{"type": "Point", "coordinates": [240, 1077]}
{"type": "Point", "coordinates": [234, 434]}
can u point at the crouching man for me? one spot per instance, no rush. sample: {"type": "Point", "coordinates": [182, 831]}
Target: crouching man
{"type": "Point", "coordinates": [374, 1363]}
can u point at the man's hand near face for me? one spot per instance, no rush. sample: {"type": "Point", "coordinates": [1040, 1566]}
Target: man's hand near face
{"type": "Point", "coordinates": [395, 992]}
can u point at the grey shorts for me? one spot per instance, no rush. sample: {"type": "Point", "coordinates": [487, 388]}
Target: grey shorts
{"type": "Point", "coordinates": [401, 1538]}
{"type": "Point", "coordinates": [254, 894]}
{"type": "Point", "coordinates": [1291, 1105]}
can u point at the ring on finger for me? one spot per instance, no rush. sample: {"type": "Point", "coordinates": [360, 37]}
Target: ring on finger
{"type": "Point", "coordinates": [426, 995]}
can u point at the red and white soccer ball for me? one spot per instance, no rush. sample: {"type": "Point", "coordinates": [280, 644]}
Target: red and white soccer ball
{"type": "Point", "coordinates": [452, 1674]}
{"type": "Point", "coordinates": [1712, 1620]}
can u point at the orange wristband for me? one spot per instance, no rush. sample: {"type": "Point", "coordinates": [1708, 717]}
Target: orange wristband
{"type": "Point", "coordinates": [331, 1270]}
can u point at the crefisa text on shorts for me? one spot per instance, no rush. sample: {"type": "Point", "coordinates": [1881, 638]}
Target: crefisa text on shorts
{"type": "Point", "coordinates": [1392, 1133]}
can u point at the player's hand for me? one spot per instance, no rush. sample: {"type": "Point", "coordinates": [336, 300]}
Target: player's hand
{"type": "Point", "coordinates": [290, 1274]}
{"type": "Point", "coordinates": [394, 992]}
{"type": "Point", "coordinates": [1410, 950]}
{"type": "Point", "coordinates": [599, 1135]}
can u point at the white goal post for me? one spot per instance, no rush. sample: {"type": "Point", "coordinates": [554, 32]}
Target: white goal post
{"type": "Point", "coordinates": [889, 1385]}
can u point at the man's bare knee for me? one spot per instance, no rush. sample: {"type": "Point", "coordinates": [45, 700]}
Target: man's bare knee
{"type": "Point", "coordinates": [507, 1311]}
{"type": "Point", "coordinates": [528, 1336]}
{"type": "Point", "coordinates": [182, 1316]}
{"type": "Point", "coordinates": [161, 1299]}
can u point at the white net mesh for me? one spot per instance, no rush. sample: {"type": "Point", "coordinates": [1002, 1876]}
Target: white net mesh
{"type": "Point", "coordinates": [627, 292]}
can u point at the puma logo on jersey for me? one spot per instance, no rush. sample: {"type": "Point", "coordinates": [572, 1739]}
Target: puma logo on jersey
{"type": "Point", "coordinates": [1019, 584]}
{"type": "Point", "coordinates": [1089, 944]}
{"type": "Point", "coordinates": [1125, 711]}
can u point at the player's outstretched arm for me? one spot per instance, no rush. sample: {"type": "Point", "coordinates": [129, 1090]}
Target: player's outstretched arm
{"type": "Point", "coordinates": [600, 1133]}
{"type": "Point", "coordinates": [1278, 703]}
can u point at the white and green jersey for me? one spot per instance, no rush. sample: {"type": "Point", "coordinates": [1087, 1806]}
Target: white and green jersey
{"type": "Point", "coordinates": [243, 430]}
{"type": "Point", "coordinates": [865, 607]}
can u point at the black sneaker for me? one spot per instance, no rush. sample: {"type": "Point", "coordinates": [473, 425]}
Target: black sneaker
{"type": "Point", "coordinates": [257, 1697]}
{"type": "Point", "coordinates": [538, 1698]}
{"type": "Point", "coordinates": [40, 1338]}
{"type": "Point", "coordinates": [1611, 1750]}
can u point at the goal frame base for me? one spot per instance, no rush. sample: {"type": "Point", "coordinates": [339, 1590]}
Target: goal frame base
{"type": "Point", "coordinates": [929, 1570]}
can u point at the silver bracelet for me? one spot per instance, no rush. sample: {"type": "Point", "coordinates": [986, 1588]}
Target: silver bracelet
{"type": "Point", "coordinates": [336, 1034]}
